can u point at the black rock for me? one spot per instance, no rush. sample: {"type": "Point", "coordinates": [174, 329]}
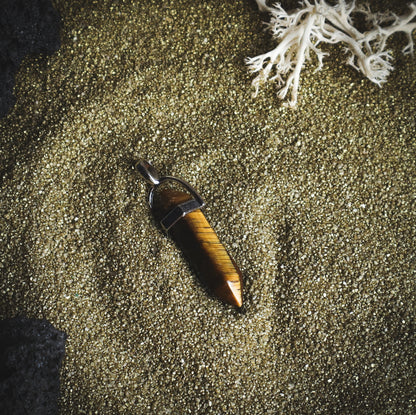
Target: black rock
{"type": "Point", "coordinates": [31, 353]}
{"type": "Point", "coordinates": [26, 27]}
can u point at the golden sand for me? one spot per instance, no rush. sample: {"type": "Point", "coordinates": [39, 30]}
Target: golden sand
{"type": "Point", "coordinates": [317, 206]}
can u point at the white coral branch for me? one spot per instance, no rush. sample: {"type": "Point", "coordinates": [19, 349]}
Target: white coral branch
{"type": "Point", "coordinates": [300, 32]}
{"type": "Point", "coordinates": [263, 7]}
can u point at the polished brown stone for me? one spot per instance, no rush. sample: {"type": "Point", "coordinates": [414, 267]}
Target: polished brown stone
{"type": "Point", "coordinates": [202, 248]}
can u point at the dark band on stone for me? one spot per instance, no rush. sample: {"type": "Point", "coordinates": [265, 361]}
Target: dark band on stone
{"type": "Point", "coordinates": [179, 212]}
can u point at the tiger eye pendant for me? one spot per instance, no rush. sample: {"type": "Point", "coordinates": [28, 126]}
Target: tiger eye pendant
{"type": "Point", "coordinates": [180, 215]}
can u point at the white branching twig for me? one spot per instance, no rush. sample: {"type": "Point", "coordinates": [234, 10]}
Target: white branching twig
{"type": "Point", "coordinates": [300, 32]}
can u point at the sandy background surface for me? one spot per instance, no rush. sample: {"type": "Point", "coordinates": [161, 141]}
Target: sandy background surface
{"type": "Point", "coordinates": [317, 206]}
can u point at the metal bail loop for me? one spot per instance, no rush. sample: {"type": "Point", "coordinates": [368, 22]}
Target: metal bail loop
{"type": "Point", "coordinates": [149, 173]}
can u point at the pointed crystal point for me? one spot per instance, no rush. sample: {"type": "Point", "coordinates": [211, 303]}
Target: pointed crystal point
{"type": "Point", "coordinates": [230, 292]}
{"type": "Point", "coordinates": [235, 288]}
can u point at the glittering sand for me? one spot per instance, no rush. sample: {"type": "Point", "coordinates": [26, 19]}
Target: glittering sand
{"type": "Point", "coordinates": [317, 205]}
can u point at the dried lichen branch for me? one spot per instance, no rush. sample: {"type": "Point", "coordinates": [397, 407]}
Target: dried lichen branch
{"type": "Point", "coordinates": [300, 32]}
{"type": "Point", "coordinates": [263, 7]}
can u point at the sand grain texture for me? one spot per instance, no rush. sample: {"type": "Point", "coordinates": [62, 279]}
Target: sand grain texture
{"type": "Point", "coordinates": [317, 206]}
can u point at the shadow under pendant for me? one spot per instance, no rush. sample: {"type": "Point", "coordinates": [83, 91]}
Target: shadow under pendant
{"type": "Point", "coordinates": [180, 215]}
